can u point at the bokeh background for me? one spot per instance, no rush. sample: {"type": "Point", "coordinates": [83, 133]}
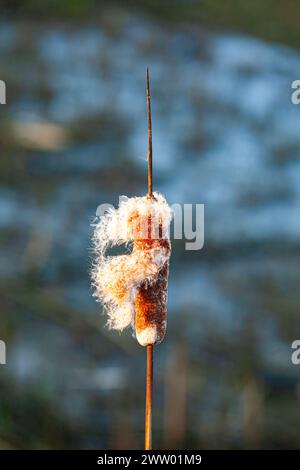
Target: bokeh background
{"type": "Point", "coordinates": [73, 136]}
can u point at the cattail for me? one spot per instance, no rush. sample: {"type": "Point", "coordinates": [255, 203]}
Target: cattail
{"type": "Point", "coordinates": [133, 287]}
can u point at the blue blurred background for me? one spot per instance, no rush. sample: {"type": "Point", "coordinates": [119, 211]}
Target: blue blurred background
{"type": "Point", "coordinates": [73, 136]}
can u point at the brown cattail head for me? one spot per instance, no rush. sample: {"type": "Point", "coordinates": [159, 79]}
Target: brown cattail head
{"type": "Point", "coordinates": [133, 287]}
{"type": "Point", "coordinates": [151, 297]}
{"type": "Point", "coordinates": [151, 309]}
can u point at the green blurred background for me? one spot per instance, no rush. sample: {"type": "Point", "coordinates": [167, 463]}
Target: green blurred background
{"type": "Point", "coordinates": [73, 136]}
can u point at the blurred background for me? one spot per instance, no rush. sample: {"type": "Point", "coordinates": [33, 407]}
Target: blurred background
{"type": "Point", "coordinates": [73, 135]}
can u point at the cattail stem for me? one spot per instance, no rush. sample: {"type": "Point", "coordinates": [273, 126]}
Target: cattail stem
{"type": "Point", "coordinates": [149, 371]}
{"type": "Point", "coordinates": [149, 386]}
{"type": "Point", "coordinates": [150, 193]}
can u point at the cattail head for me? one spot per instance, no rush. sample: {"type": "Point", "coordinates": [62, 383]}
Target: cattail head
{"type": "Point", "coordinates": [141, 223]}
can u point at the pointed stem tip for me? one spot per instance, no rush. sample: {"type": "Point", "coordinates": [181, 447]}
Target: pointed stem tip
{"type": "Point", "coordinates": [150, 184]}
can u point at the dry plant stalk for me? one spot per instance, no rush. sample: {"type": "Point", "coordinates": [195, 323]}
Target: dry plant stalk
{"type": "Point", "coordinates": [133, 287]}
